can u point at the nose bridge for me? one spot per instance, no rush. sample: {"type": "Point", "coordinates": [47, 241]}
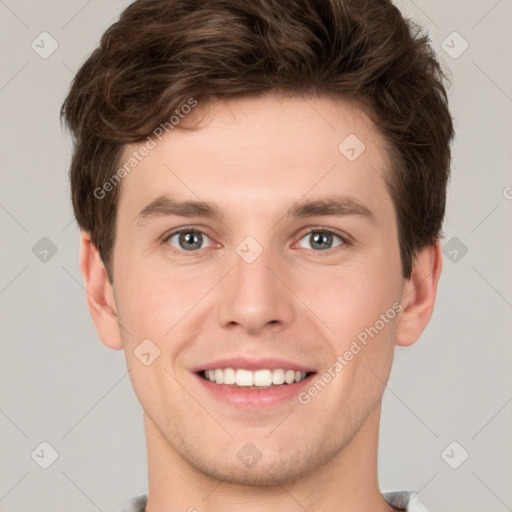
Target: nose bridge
{"type": "Point", "coordinates": [251, 268]}
{"type": "Point", "coordinates": [252, 296]}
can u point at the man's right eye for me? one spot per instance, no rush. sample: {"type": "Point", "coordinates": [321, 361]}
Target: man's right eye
{"type": "Point", "coordinates": [187, 239]}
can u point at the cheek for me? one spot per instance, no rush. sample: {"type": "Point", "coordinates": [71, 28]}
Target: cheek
{"type": "Point", "coordinates": [159, 303]}
{"type": "Point", "coordinates": [351, 298]}
{"type": "Point", "coordinates": [153, 309]}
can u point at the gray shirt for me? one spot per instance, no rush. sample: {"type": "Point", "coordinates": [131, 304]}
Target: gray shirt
{"type": "Point", "coordinates": [405, 500]}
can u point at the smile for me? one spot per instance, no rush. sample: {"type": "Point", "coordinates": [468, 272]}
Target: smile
{"type": "Point", "coordinates": [257, 379]}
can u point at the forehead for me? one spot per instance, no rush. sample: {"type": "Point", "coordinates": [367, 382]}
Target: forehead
{"type": "Point", "coordinates": [259, 152]}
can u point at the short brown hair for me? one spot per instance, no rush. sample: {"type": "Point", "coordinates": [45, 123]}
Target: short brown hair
{"type": "Point", "coordinates": [163, 52]}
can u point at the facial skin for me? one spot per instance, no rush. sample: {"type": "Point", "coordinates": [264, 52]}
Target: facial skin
{"type": "Point", "coordinates": [255, 158]}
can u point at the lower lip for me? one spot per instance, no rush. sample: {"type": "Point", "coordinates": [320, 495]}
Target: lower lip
{"type": "Point", "coordinates": [255, 398]}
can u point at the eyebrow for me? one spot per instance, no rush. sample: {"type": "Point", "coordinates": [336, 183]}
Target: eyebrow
{"type": "Point", "coordinates": [337, 206]}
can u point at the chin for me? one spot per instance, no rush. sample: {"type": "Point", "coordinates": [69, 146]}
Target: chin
{"type": "Point", "coordinates": [272, 469]}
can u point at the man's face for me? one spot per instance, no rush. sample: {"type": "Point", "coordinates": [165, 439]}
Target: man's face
{"type": "Point", "coordinates": [257, 286]}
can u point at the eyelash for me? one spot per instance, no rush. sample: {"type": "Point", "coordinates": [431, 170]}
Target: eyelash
{"type": "Point", "coordinates": [345, 239]}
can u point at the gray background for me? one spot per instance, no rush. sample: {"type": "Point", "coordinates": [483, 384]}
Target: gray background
{"type": "Point", "coordinates": [59, 384]}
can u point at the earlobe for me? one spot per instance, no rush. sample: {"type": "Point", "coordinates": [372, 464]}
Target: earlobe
{"type": "Point", "coordinates": [99, 294]}
{"type": "Point", "coordinates": [419, 295]}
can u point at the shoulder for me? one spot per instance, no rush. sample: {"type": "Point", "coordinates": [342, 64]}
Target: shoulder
{"type": "Point", "coordinates": [406, 500]}
{"type": "Point", "coordinates": [137, 504]}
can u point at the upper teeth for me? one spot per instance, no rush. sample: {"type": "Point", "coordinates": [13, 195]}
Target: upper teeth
{"type": "Point", "coordinates": [242, 377]}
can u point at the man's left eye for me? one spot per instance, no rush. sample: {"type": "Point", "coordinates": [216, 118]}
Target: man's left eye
{"type": "Point", "coordinates": [321, 240]}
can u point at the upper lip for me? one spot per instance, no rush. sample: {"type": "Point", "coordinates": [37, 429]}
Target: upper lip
{"type": "Point", "coordinates": [254, 364]}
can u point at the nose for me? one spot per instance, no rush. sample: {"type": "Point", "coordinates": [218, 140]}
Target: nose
{"type": "Point", "coordinates": [254, 296]}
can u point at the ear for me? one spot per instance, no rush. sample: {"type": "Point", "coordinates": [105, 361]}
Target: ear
{"type": "Point", "coordinates": [100, 294]}
{"type": "Point", "coordinates": [419, 295]}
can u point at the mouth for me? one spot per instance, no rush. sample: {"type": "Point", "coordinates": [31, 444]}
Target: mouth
{"type": "Point", "coordinates": [253, 384]}
{"type": "Point", "coordinates": [266, 378]}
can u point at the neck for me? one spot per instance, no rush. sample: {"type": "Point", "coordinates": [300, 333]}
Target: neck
{"type": "Point", "coordinates": [347, 482]}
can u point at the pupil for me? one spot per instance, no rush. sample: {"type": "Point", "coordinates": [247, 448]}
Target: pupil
{"type": "Point", "coordinates": [319, 238]}
{"type": "Point", "coordinates": [190, 240]}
